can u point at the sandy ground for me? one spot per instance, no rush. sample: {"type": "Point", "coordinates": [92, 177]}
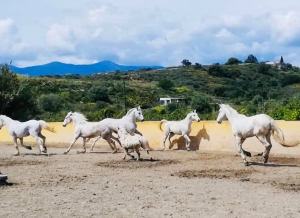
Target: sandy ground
{"type": "Point", "coordinates": [177, 184]}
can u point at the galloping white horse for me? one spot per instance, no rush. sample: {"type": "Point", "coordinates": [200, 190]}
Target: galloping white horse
{"type": "Point", "coordinates": [182, 127]}
{"type": "Point", "coordinates": [135, 142]}
{"type": "Point", "coordinates": [19, 130]}
{"type": "Point", "coordinates": [128, 121]}
{"type": "Point", "coordinates": [261, 126]}
{"type": "Point", "coordinates": [85, 130]}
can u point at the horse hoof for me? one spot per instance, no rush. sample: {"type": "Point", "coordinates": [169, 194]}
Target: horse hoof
{"type": "Point", "coordinates": [188, 149]}
{"type": "Point", "coordinates": [17, 154]}
{"type": "Point", "coordinates": [246, 163]}
{"type": "Point", "coordinates": [65, 152]}
{"type": "Point", "coordinates": [266, 160]}
{"type": "Point", "coordinates": [29, 148]}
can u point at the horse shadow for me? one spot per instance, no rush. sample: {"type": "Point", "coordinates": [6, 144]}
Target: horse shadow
{"type": "Point", "coordinates": [195, 140]}
{"type": "Point", "coordinates": [270, 164]}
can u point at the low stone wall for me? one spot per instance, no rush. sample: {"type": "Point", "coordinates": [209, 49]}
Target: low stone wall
{"type": "Point", "coordinates": [205, 135]}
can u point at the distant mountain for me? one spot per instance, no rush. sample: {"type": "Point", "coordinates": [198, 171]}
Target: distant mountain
{"type": "Point", "coordinates": [58, 68]}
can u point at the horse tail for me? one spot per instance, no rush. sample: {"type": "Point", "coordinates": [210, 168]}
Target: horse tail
{"type": "Point", "coordinates": [44, 125]}
{"type": "Point", "coordinates": [160, 123]}
{"type": "Point", "coordinates": [279, 137]}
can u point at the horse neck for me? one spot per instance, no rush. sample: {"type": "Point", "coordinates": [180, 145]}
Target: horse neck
{"type": "Point", "coordinates": [188, 119]}
{"type": "Point", "coordinates": [231, 118]}
{"type": "Point", "coordinates": [6, 120]}
{"type": "Point", "coordinates": [77, 121]}
{"type": "Point", "coordinates": [131, 116]}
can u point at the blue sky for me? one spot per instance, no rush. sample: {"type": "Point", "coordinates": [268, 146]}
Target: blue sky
{"type": "Point", "coordinates": [143, 32]}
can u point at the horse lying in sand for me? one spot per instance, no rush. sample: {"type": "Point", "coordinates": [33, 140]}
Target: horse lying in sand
{"type": "Point", "coordinates": [19, 130]}
{"type": "Point", "coordinates": [134, 142]}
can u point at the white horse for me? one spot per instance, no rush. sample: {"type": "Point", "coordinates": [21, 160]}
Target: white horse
{"type": "Point", "coordinates": [182, 127]}
{"type": "Point", "coordinates": [128, 121]}
{"type": "Point", "coordinates": [19, 130]}
{"type": "Point", "coordinates": [261, 126]}
{"type": "Point", "coordinates": [85, 130]}
{"type": "Point", "coordinates": [135, 142]}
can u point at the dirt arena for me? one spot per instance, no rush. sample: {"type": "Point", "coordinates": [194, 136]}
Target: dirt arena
{"type": "Point", "coordinates": [176, 184]}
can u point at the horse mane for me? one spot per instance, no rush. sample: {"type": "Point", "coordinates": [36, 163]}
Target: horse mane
{"type": "Point", "coordinates": [130, 111]}
{"type": "Point", "coordinates": [80, 116]}
{"type": "Point", "coordinates": [232, 111]}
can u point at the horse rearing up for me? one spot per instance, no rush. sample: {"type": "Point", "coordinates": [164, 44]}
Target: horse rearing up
{"type": "Point", "coordinates": [128, 121]}
{"type": "Point", "coordinates": [19, 130]}
{"type": "Point", "coordinates": [135, 142]}
{"type": "Point", "coordinates": [182, 127]}
{"type": "Point", "coordinates": [262, 126]}
{"type": "Point", "coordinates": [85, 130]}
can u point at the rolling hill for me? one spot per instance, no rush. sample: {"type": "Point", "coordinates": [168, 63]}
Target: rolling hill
{"type": "Point", "coordinates": [58, 68]}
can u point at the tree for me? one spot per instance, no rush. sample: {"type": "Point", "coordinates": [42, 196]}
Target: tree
{"type": "Point", "coordinates": [215, 70]}
{"type": "Point", "coordinates": [232, 61]}
{"type": "Point", "coordinates": [95, 94]}
{"type": "Point", "coordinates": [165, 84]}
{"type": "Point", "coordinates": [251, 59]}
{"type": "Point", "coordinates": [197, 66]}
{"type": "Point", "coordinates": [201, 103]}
{"type": "Point", "coordinates": [50, 103]}
{"type": "Point", "coordinates": [186, 62]}
{"type": "Point", "coordinates": [16, 94]}
{"type": "Point", "coordinates": [281, 60]}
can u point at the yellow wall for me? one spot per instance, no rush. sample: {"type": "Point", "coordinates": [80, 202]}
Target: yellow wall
{"type": "Point", "coordinates": [205, 135]}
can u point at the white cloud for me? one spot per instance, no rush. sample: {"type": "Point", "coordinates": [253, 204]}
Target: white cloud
{"type": "Point", "coordinates": [60, 37]}
{"type": "Point", "coordinates": [149, 32]}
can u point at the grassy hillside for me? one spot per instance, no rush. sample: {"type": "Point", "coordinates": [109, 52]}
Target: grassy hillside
{"type": "Point", "coordinates": [250, 88]}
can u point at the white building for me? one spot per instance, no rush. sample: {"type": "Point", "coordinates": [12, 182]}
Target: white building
{"type": "Point", "coordinates": [165, 101]}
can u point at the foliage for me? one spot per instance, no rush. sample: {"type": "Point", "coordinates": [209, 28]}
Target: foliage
{"type": "Point", "coordinates": [197, 66]}
{"type": "Point", "coordinates": [50, 103]}
{"type": "Point", "coordinates": [251, 59]}
{"type": "Point", "coordinates": [251, 88]}
{"type": "Point", "coordinates": [165, 84]}
{"type": "Point", "coordinates": [16, 95]}
{"type": "Point", "coordinates": [201, 103]}
{"type": "Point", "coordinates": [186, 62]}
{"type": "Point", "coordinates": [232, 61]}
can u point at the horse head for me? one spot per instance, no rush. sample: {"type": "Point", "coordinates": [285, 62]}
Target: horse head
{"type": "Point", "coordinates": [138, 113]}
{"type": "Point", "coordinates": [195, 116]}
{"type": "Point", "coordinates": [222, 113]}
{"type": "Point", "coordinates": [68, 119]}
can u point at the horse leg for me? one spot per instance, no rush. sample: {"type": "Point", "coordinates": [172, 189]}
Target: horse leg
{"type": "Point", "coordinates": [117, 140]}
{"type": "Point", "coordinates": [92, 147]}
{"type": "Point", "coordinates": [22, 144]}
{"type": "Point", "coordinates": [16, 146]}
{"type": "Point", "coordinates": [247, 153]}
{"type": "Point", "coordinates": [164, 140]}
{"type": "Point", "coordinates": [72, 143]}
{"type": "Point", "coordinates": [110, 142]}
{"type": "Point", "coordinates": [145, 146]}
{"type": "Point", "coordinates": [171, 134]}
{"type": "Point", "coordinates": [239, 142]}
{"type": "Point", "coordinates": [126, 153]}
{"type": "Point", "coordinates": [83, 145]}
{"type": "Point", "coordinates": [40, 143]}
{"type": "Point", "coordinates": [137, 150]}
{"type": "Point", "coordinates": [138, 132]}
{"type": "Point", "coordinates": [187, 142]}
{"type": "Point", "coordinates": [266, 141]}
{"type": "Point", "coordinates": [44, 141]}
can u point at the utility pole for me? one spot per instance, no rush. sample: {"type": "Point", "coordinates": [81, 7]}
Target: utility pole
{"type": "Point", "coordinates": [124, 96]}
